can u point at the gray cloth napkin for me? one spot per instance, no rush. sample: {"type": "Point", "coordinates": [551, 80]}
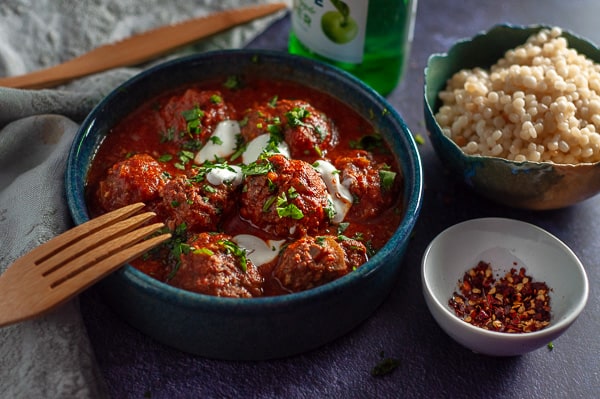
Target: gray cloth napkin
{"type": "Point", "coordinates": [51, 356]}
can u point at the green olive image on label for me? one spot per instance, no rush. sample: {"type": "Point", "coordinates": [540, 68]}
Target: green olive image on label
{"type": "Point", "coordinates": [339, 28]}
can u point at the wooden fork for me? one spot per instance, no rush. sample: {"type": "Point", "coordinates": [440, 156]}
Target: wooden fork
{"type": "Point", "coordinates": [56, 271]}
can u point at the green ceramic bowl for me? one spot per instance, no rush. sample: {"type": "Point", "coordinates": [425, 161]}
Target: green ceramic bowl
{"type": "Point", "coordinates": [526, 185]}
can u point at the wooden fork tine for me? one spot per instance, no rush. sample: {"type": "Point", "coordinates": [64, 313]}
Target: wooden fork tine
{"type": "Point", "coordinates": [48, 293]}
{"type": "Point", "coordinates": [91, 275]}
{"type": "Point", "coordinates": [117, 243]}
{"type": "Point", "coordinates": [87, 276]}
{"type": "Point", "coordinates": [67, 238]}
{"type": "Point", "coordinates": [69, 258]}
{"type": "Point", "coordinates": [52, 260]}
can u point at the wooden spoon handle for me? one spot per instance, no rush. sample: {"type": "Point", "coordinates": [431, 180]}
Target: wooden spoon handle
{"type": "Point", "coordinates": [139, 48]}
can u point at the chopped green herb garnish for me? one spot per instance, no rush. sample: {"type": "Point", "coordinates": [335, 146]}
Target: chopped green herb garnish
{"type": "Point", "coordinates": [386, 179]}
{"type": "Point", "coordinates": [240, 147]}
{"type": "Point", "coordinates": [192, 145]}
{"type": "Point", "coordinates": [321, 132]}
{"type": "Point", "coordinates": [268, 203]}
{"type": "Point", "coordinates": [186, 155]}
{"type": "Point", "coordinates": [330, 210]}
{"type": "Point", "coordinates": [205, 168]}
{"type": "Point", "coordinates": [177, 246]}
{"type": "Point", "coordinates": [216, 140]}
{"type": "Point", "coordinates": [385, 366]}
{"type": "Point", "coordinates": [209, 189]}
{"type": "Point", "coordinates": [236, 251]}
{"type": "Point", "coordinates": [286, 209]}
{"type": "Point", "coordinates": [273, 102]}
{"type": "Point", "coordinates": [371, 251]}
{"type": "Point", "coordinates": [318, 151]}
{"type": "Point", "coordinates": [257, 168]}
{"type": "Point", "coordinates": [167, 136]}
{"type": "Point", "coordinates": [342, 227]}
{"type": "Point", "coordinates": [203, 251]}
{"type": "Point", "coordinates": [296, 116]}
{"type": "Point", "coordinates": [184, 158]}
{"type": "Point", "coordinates": [232, 82]}
{"type": "Point", "coordinates": [292, 193]}
{"type": "Point", "coordinates": [272, 146]}
{"type": "Point", "coordinates": [370, 142]}
{"type": "Point", "coordinates": [193, 119]}
{"type": "Point", "coordinates": [273, 128]}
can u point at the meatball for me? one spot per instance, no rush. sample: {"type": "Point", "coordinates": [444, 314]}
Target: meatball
{"type": "Point", "coordinates": [195, 201]}
{"type": "Point", "coordinates": [261, 119]}
{"type": "Point", "coordinates": [313, 261]}
{"type": "Point", "coordinates": [288, 199]}
{"type": "Point", "coordinates": [374, 186]}
{"type": "Point", "coordinates": [139, 178]}
{"type": "Point", "coordinates": [355, 252]}
{"type": "Point", "coordinates": [194, 115]}
{"type": "Point", "coordinates": [308, 132]}
{"type": "Point", "coordinates": [216, 266]}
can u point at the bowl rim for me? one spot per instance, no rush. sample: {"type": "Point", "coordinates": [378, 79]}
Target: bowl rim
{"type": "Point", "coordinates": [427, 269]}
{"type": "Point", "coordinates": [413, 204]}
{"type": "Point", "coordinates": [465, 42]}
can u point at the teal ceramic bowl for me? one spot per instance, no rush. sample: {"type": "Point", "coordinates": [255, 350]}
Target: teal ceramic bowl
{"type": "Point", "coordinates": [257, 328]}
{"type": "Point", "coordinates": [526, 185]}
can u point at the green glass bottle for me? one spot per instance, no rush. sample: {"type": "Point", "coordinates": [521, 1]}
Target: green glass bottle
{"type": "Point", "coordinates": [369, 38]}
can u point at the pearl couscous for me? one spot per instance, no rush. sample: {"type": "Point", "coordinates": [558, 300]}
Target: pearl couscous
{"type": "Point", "coordinates": [540, 102]}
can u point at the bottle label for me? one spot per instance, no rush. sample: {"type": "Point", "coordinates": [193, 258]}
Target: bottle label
{"type": "Point", "coordinates": [332, 28]}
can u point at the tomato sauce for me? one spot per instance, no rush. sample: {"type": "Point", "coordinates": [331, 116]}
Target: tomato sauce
{"type": "Point", "coordinates": [170, 129]}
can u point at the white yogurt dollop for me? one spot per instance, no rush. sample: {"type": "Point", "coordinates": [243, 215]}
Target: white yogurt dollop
{"type": "Point", "coordinates": [222, 143]}
{"type": "Point", "coordinates": [230, 175]}
{"type": "Point", "coordinates": [259, 144]}
{"type": "Point", "coordinates": [339, 194]}
{"type": "Point", "coordinates": [258, 250]}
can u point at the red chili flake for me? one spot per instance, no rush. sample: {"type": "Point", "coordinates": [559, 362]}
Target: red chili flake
{"type": "Point", "coordinates": [512, 304]}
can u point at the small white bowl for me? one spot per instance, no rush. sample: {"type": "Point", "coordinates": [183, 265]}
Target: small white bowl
{"type": "Point", "coordinates": [500, 242]}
